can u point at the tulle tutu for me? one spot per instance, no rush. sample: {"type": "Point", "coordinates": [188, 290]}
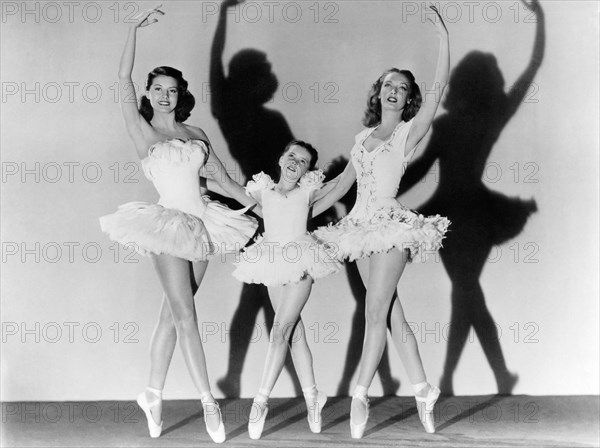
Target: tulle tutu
{"type": "Point", "coordinates": [275, 264]}
{"type": "Point", "coordinates": [152, 228]}
{"type": "Point", "coordinates": [386, 229]}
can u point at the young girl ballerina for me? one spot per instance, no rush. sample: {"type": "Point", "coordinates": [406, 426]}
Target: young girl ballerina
{"type": "Point", "coordinates": [287, 260]}
{"type": "Point", "coordinates": [380, 231]}
{"type": "Point", "coordinates": [182, 230]}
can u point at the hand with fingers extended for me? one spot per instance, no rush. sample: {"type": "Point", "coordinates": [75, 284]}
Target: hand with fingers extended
{"type": "Point", "coordinates": [439, 24]}
{"type": "Point", "coordinates": [147, 18]}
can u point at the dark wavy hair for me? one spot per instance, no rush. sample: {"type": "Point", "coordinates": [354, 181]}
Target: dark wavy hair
{"type": "Point", "coordinates": [185, 101]}
{"type": "Point", "coordinates": [314, 155]}
{"type": "Point", "coordinates": [373, 112]}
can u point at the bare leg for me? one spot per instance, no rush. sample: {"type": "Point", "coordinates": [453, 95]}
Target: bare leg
{"type": "Point", "coordinates": [406, 343]}
{"type": "Point", "coordinates": [164, 338]}
{"type": "Point", "coordinates": [404, 339]}
{"type": "Point", "coordinates": [174, 275]}
{"type": "Point", "coordinates": [288, 328]}
{"type": "Point", "coordinates": [291, 299]}
{"type": "Point", "coordinates": [302, 356]}
{"type": "Point", "coordinates": [254, 298]}
{"type": "Point", "coordinates": [386, 265]}
{"type": "Point", "coordinates": [384, 273]}
{"type": "Point", "coordinates": [390, 385]}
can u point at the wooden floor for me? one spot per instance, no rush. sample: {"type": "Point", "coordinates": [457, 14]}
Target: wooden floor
{"type": "Point", "coordinates": [474, 421]}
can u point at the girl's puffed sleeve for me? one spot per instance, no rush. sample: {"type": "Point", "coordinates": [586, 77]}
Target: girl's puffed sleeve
{"type": "Point", "coordinates": [312, 180]}
{"type": "Point", "coordinates": [258, 184]}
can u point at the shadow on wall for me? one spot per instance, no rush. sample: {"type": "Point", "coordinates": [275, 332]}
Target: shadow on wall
{"type": "Point", "coordinates": [255, 136]}
{"type": "Point", "coordinates": [478, 109]}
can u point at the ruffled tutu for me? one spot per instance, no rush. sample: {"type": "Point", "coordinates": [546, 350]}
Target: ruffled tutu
{"type": "Point", "coordinates": [388, 228]}
{"type": "Point", "coordinates": [275, 264]}
{"type": "Point", "coordinates": [152, 228]}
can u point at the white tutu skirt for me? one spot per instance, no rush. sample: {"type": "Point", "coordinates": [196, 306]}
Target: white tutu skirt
{"type": "Point", "coordinates": [388, 228]}
{"type": "Point", "coordinates": [152, 228]}
{"type": "Point", "coordinates": [276, 264]}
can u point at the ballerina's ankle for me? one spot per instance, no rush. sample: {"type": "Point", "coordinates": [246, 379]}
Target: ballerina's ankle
{"type": "Point", "coordinates": [310, 393]}
{"type": "Point", "coordinates": [360, 392]}
{"type": "Point", "coordinates": [157, 392]}
{"type": "Point", "coordinates": [207, 398]}
{"type": "Point", "coordinates": [211, 408]}
{"type": "Point", "coordinates": [421, 389]}
{"type": "Point", "coordinates": [261, 407]}
{"type": "Point", "coordinates": [209, 404]}
{"type": "Point", "coordinates": [262, 396]}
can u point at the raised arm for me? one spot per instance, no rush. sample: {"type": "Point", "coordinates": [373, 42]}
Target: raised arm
{"type": "Point", "coordinates": [346, 179]}
{"type": "Point", "coordinates": [134, 122]}
{"type": "Point", "coordinates": [424, 117]}
{"type": "Point", "coordinates": [217, 72]}
{"type": "Point", "coordinates": [519, 90]}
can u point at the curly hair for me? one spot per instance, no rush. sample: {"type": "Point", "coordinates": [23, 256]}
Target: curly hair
{"type": "Point", "coordinates": [185, 102]}
{"type": "Point", "coordinates": [373, 111]}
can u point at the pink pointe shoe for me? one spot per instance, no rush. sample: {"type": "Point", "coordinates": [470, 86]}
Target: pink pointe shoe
{"type": "Point", "coordinates": [425, 407]}
{"type": "Point", "coordinates": [153, 428]}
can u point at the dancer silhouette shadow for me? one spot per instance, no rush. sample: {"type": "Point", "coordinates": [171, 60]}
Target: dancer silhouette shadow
{"type": "Point", "coordinates": [255, 135]}
{"type": "Point", "coordinates": [389, 384]}
{"type": "Point", "coordinates": [478, 109]}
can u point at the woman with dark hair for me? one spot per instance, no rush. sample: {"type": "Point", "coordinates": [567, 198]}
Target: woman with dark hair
{"type": "Point", "coordinates": [183, 230]}
{"type": "Point", "coordinates": [185, 100]}
{"type": "Point", "coordinates": [413, 102]}
{"type": "Point", "coordinates": [383, 234]}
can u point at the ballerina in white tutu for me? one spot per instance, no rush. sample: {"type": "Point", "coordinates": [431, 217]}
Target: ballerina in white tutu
{"type": "Point", "coordinates": [287, 259]}
{"type": "Point", "coordinates": [383, 234]}
{"type": "Point", "coordinates": [183, 227]}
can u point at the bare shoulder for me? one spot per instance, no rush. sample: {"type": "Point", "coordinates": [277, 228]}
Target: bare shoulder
{"type": "Point", "coordinates": [196, 132]}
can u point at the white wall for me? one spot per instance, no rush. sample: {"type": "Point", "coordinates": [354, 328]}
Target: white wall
{"type": "Point", "coordinates": [557, 295]}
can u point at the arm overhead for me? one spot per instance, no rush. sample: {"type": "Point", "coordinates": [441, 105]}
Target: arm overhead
{"type": "Point", "coordinates": [422, 121]}
{"type": "Point", "coordinates": [135, 124]}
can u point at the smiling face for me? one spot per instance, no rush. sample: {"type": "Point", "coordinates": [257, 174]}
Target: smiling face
{"type": "Point", "coordinates": [294, 163]}
{"type": "Point", "coordinates": [163, 93]}
{"type": "Point", "coordinates": [394, 92]}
